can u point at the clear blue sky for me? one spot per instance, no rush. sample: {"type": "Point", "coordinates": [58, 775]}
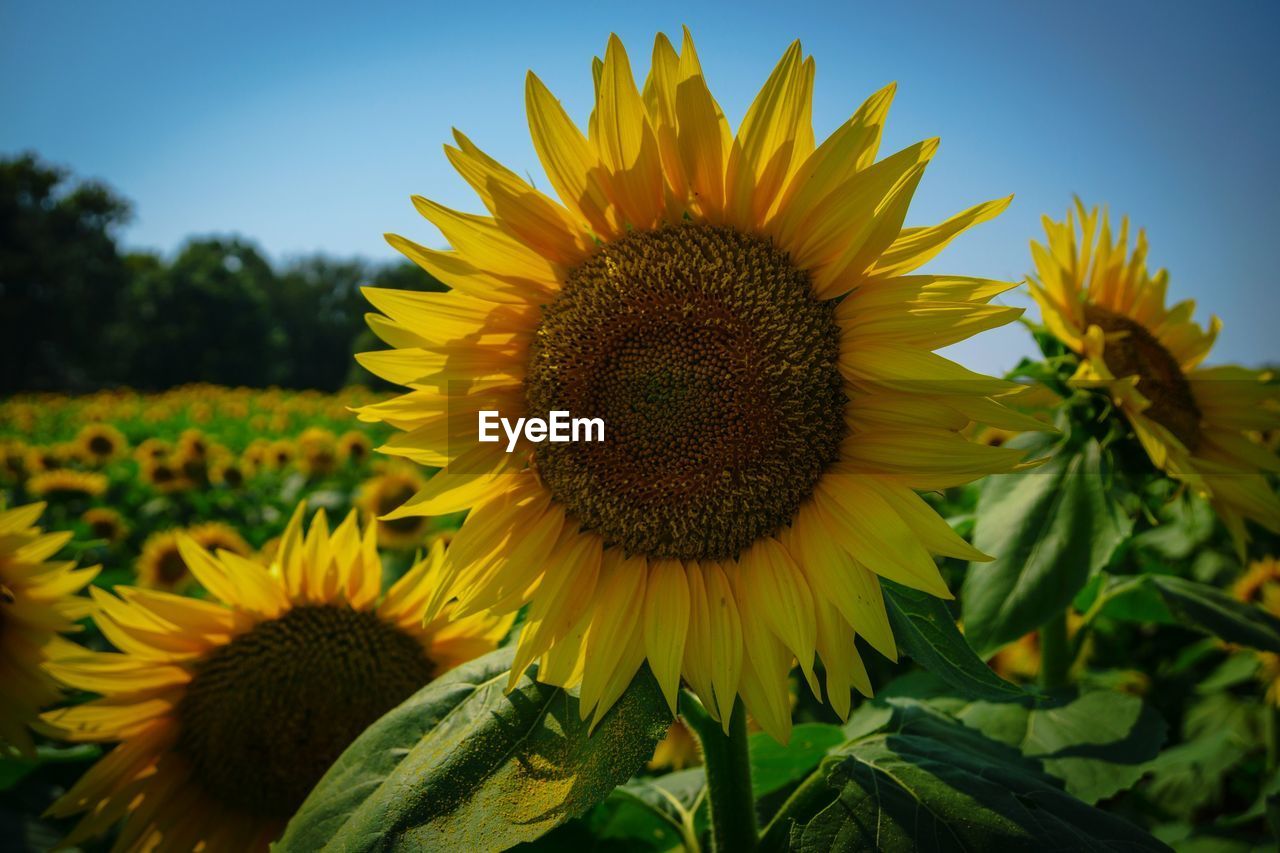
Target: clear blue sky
{"type": "Point", "coordinates": [308, 129]}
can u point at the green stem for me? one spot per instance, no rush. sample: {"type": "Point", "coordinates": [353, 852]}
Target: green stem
{"type": "Point", "coordinates": [1055, 653]}
{"type": "Point", "coordinates": [733, 806]}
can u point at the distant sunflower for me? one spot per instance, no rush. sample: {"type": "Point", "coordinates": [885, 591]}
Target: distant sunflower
{"type": "Point", "coordinates": [100, 443]}
{"type": "Point", "coordinates": [317, 452]}
{"type": "Point", "coordinates": [152, 449]}
{"type": "Point", "coordinates": [281, 453]}
{"type": "Point", "coordinates": [1260, 585]}
{"type": "Point", "coordinates": [38, 603]}
{"type": "Point", "coordinates": [230, 471]}
{"type": "Point", "coordinates": [383, 494]}
{"type": "Point", "coordinates": [105, 523]}
{"type": "Point", "coordinates": [739, 310]}
{"type": "Point", "coordinates": [229, 711]}
{"type": "Point", "coordinates": [1101, 302]}
{"type": "Point", "coordinates": [47, 458]}
{"type": "Point", "coordinates": [68, 483]}
{"type": "Point", "coordinates": [161, 564]}
{"type": "Point", "coordinates": [354, 447]}
{"type": "Point", "coordinates": [217, 535]}
{"type": "Point", "coordinates": [163, 475]}
{"type": "Point", "coordinates": [13, 459]}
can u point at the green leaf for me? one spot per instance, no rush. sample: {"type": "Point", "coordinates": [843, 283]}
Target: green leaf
{"type": "Point", "coordinates": [927, 782]}
{"type": "Point", "coordinates": [1097, 742]}
{"type": "Point", "coordinates": [928, 633]}
{"type": "Point", "coordinates": [1213, 611]}
{"type": "Point", "coordinates": [1049, 528]}
{"type": "Point", "coordinates": [14, 770]}
{"type": "Point", "coordinates": [461, 765]}
{"type": "Point", "coordinates": [652, 814]}
{"type": "Point", "coordinates": [774, 766]}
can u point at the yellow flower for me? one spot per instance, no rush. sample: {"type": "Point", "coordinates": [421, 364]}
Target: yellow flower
{"type": "Point", "coordinates": [676, 751]}
{"type": "Point", "coordinates": [218, 536]}
{"type": "Point", "coordinates": [100, 443]}
{"type": "Point", "coordinates": [162, 475]}
{"type": "Point", "coordinates": [1100, 301]}
{"type": "Point", "coordinates": [13, 459]}
{"type": "Point", "coordinates": [228, 711]}
{"type": "Point", "coordinates": [161, 565]}
{"type": "Point", "coordinates": [66, 483]}
{"type": "Point", "coordinates": [152, 450]}
{"type": "Point", "coordinates": [354, 447]}
{"type": "Point", "coordinates": [281, 453]}
{"type": "Point", "coordinates": [105, 523]}
{"type": "Point", "coordinates": [38, 602]}
{"type": "Point", "coordinates": [229, 471]}
{"type": "Point", "coordinates": [740, 312]}
{"type": "Point", "coordinates": [317, 451]}
{"type": "Point", "coordinates": [385, 493]}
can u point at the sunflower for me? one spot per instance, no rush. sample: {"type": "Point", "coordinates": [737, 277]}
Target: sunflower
{"type": "Point", "coordinates": [1260, 585]}
{"type": "Point", "coordinates": [676, 751]}
{"type": "Point", "coordinates": [163, 475]}
{"type": "Point", "coordinates": [1100, 301]}
{"type": "Point", "coordinates": [281, 453]}
{"type": "Point", "coordinates": [98, 444]}
{"type": "Point", "coordinates": [38, 602]}
{"type": "Point", "coordinates": [354, 447]}
{"type": "Point", "coordinates": [105, 523]}
{"type": "Point", "coordinates": [67, 483]}
{"type": "Point", "coordinates": [740, 313]}
{"type": "Point", "coordinates": [229, 711]}
{"type": "Point", "coordinates": [216, 535]}
{"type": "Point", "coordinates": [161, 565]}
{"type": "Point", "coordinates": [151, 450]}
{"type": "Point", "coordinates": [317, 451]}
{"type": "Point", "coordinates": [47, 458]}
{"type": "Point", "coordinates": [13, 459]}
{"type": "Point", "coordinates": [383, 494]}
{"type": "Point", "coordinates": [230, 471]}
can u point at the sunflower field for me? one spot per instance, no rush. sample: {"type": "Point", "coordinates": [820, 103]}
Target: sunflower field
{"type": "Point", "coordinates": [818, 587]}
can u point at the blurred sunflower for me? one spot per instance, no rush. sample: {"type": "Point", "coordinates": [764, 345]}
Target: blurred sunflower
{"type": "Point", "coordinates": [217, 535]}
{"type": "Point", "coordinates": [13, 459]}
{"type": "Point", "coordinates": [383, 494]}
{"type": "Point", "coordinates": [105, 523]}
{"type": "Point", "coordinates": [48, 458]}
{"type": "Point", "coordinates": [152, 450]}
{"type": "Point", "coordinates": [1260, 585]}
{"type": "Point", "coordinates": [229, 471]}
{"type": "Point", "coordinates": [354, 447]}
{"type": "Point", "coordinates": [161, 565]}
{"type": "Point", "coordinates": [738, 310]}
{"type": "Point", "coordinates": [68, 483]}
{"type": "Point", "coordinates": [317, 451]}
{"type": "Point", "coordinates": [676, 751]}
{"type": "Point", "coordinates": [1101, 302]}
{"type": "Point", "coordinates": [38, 602]}
{"type": "Point", "coordinates": [281, 453]}
{"type": "Point", "coordinates": [162, 475]}
{"type": "Point", "coordinates": [229, 711]}
{"type": "Point", "coordinates": [99, 443]}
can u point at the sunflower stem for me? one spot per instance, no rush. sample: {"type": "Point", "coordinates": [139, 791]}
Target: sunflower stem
{"type": "Point", "coordinates": [1055, 653]}
{"type": "Point", "coordinates": [733, 806]}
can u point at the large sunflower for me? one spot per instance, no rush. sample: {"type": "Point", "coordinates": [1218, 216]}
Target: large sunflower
{"type": "Point", "coordinates": [229, 711]}
{"type": "Point", "coordinates": [1099, 300]}
{"type": "Point", "coordinates": [738, 310]}
{"type": "Point", "coordinates": [38, 602]}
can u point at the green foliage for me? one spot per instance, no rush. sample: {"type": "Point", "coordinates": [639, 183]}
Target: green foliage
{"type": "Point", "coordinates": [80, 313]}
{"type": "Point", "coordinates": [1049, 528]}
{"type": "Point", "coordinates": [923, 781]}
{"type": "Point", "coordinates": [926, 630]}
{"type": "Point", "coordinates": [462, 765]}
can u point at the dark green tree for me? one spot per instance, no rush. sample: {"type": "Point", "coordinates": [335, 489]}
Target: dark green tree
{"type": "Point", "coordinates": [61, 277]}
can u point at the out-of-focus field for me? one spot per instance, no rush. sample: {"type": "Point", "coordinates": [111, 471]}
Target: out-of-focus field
{"type": "Point", "coordinates": [126, 471]}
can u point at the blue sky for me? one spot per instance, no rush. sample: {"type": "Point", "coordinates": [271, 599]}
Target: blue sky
{"type": "Point", "coordinates": [307, 129]}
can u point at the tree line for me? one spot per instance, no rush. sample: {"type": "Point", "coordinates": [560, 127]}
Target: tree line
{"type": "Point", "coordinates": [79, 312]}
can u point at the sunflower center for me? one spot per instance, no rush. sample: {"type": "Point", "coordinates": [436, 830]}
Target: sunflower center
{"type": "Point", "coordinates": [100, 445]}
{"type": "Point", "coordinates": [171, 568]}
{"type": "Point", "coordinates": [714, 369]}
{"type": "Point", "coordinates": [268, 713]}
{"type": "Point", "coordinates": [1138, 353]}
